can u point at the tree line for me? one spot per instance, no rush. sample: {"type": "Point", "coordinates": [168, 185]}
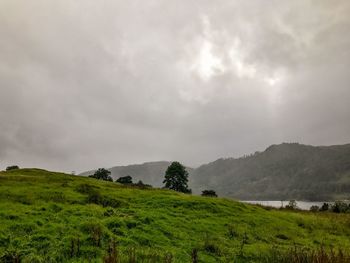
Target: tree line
{"type": "Point", "coordinates": [175, 178]}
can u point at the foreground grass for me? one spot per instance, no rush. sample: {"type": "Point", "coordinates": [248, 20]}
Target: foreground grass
{"type": "Point", "coordinates": [55, 217]}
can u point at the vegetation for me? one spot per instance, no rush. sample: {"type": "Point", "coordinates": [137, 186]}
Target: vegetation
{"type": "Point", "coordinates": [337, 207]}
{"type": "Point", "coordinates": [297, 255]}
{"type": "Point", "coordinates": [55, 217]}
{"type": "Point", "coordinates": [125, 180]}
{"type": "Point", "coordinates": [102, 174]}
{"type": "Point", "coordinates": [292, 204]}
{"type": "Point", "coordinates": [176, 178]}
{"type": "Point", "coordinates": [210, 193]}
{"type": "Point", "coordinates": [13, 167]}
{"type": "Point", "coordinates": [150, 173]}
{"type": "Point", "coordinates": [281, 172]}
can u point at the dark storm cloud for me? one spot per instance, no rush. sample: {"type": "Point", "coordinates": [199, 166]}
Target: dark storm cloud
{"type": "Point", "coordinates": [85, 84]}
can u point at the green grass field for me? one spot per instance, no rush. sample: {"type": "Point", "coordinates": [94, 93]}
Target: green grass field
{"type": "Point", "coordinates": [55, 217]}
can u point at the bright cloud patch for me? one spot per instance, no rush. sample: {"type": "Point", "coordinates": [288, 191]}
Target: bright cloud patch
{"type": "Point", "coordinates": [207, 64]}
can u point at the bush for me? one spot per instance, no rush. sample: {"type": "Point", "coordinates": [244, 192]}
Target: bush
{"type": "Point", "coordinates": [124, 180]}
{"type": "Point", "coordinates": [324, 207]}
{"type": "Point", "coordinates": [109, 201]}
{"type": "Point", "coordinates": [314, 208]}
{"type": "Point", "coordinates": [95, 232]}
{"type": "Point", "coordinates": [12, 167]}
{"type": "Point", "coordinates": [102, 174]}
{"type": "Point", "coordinates": [340, 207]}
{"type": "Point", "coordinates": [95, 197]}
{"type": "Point", "coordinates": [210, 193]}
{"type": "Point", "coordinates": [210, 245]}
{"type": "Point", "coordinates": [292, 205]}
{"type": "Point", "coordinates": [141, 185]}
{"type": "Point", "coordinates": [85, 188]}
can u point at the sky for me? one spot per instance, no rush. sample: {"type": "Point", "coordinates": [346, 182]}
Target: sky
{"type": "Point", "coordinates": [87, 84]}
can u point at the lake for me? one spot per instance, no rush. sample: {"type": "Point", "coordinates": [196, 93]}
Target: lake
{"type": "Point", "coordinates": [303, 205]}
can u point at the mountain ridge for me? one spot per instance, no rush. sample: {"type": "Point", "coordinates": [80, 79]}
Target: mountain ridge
{"type": "Point", "coordinates": [280, 172]}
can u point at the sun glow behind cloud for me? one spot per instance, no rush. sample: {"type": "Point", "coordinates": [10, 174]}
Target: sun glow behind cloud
{"type": "Point", "coordinates": [207, 64]}
{"type": "Point", "coordinates": [233, 57]}
{"type": "Point", "coordinates": [238, 69]}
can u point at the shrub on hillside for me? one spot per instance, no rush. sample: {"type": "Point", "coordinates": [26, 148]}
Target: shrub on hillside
{"type": "Point", "coordinates": [95, 231]}
{"type": "Point", "coordinates": [324, 207]}
{"type": "Point", "coordinates": [95, 197]}
{"type": "Point", "coordinates": [292, 205]}
{"type": "Point", "coordinates": [124, 180]}
{"type": "Point", "coordinates": [85, 188]}
{"type": "Point", "coordinates": [12, 167]}
{"type": "Point", "coordinates": [102, 174]}
{"type": "Point", "coordinates": [314, 208]}
{"type": "Point", "coordinates": [340, 207]}
{"type": "Point", "coordinates": [210, 193]}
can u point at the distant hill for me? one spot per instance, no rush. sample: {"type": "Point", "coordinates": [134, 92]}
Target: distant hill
{"type": "Point", "coordinates": [149, 173]}
{"type": "Point", "coordinates": [281, 172]}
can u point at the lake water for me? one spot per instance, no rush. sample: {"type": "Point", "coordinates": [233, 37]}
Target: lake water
{"type": "Point", "coordinates": [303, 205]}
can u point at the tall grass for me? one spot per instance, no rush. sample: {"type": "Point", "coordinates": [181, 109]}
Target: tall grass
{"type": "Point", "coordinates": [300, 255]}
{"type": "Point", "coordinates": [54, 217]}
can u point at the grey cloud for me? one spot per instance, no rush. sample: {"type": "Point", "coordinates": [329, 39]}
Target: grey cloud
{"type": "Point", "coordinates": [85, 84]}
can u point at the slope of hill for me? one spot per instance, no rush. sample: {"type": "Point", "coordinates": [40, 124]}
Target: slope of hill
{"type": "Point", "coordinates": [281, 172]}
{"type": "Point", "coordinates": [54, 217]}
{"type": "Point", "coordinates": [149, 173]}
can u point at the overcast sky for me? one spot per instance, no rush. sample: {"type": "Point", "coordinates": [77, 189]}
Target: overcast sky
{"type": "Point", "coordinates": [86, 83]}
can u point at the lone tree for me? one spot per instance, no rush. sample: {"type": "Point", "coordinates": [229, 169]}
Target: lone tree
{"type": "Point", "coordinates": [125, 179]}
{"type": "Point", "coordinates": [210, 193]}
{"type": "Point", "coordinates": [102, 174]}
{"type": "Point", "coordinates": [176, 178]}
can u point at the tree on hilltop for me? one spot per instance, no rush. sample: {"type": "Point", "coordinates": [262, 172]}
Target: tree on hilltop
{"type": "Point", "coordinates": [102, 174]}
{"type": "Point", "coordinates": [176, 178]}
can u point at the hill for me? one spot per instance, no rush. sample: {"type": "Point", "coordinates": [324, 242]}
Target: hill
{"type": "Point", "coordinates": [149, 173]}
{"type": "Point", "coordinates": [55, 217]}
{"type": "Point", "coordinates": [282, 172]}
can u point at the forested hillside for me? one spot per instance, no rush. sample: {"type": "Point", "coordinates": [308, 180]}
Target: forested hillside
{"type": "Point", "coordinates": [285, 171]}
{"type": "Point", "coordinates": [281, 172]}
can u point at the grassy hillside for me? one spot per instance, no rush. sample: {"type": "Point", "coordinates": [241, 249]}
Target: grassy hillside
{"type": "Point", "coordinates": [282, 172]}
{"type": "Point", "coordinates": [54, 217]}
